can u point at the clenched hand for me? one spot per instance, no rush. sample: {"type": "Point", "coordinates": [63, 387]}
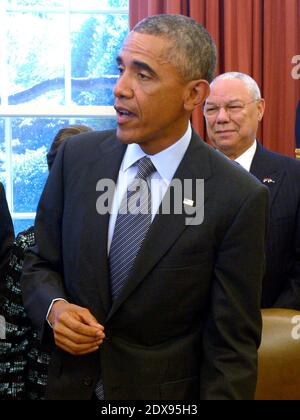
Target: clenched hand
{"type": "Point", "coordinates": [75, 329]}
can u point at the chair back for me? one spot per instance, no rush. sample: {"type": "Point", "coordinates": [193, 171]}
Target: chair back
{"type": "Point", "coordinates": [279, 356]}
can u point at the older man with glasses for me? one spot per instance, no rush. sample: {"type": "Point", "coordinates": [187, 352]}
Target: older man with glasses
{"type": "Point", "coordinates": [233, 111]}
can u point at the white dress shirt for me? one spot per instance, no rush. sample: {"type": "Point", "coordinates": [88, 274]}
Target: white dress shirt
{"type": "Point", "coordinates": [245, 160]}
{"type": "Point", "coordinates": [166, 163]}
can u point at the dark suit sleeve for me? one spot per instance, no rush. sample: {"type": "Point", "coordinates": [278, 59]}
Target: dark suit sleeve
{"type": "Point", "coordinates": [233, 329]}
{"type": "Point", "coordinates": [290, 297]}
{"type": "Point", "coordinates": [6, 229]}
{"type": "Point", "coordinates": [42, 271]}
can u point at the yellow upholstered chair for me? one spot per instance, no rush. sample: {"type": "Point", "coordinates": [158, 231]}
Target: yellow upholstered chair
{"type": "Point", "coordinates": [279, 356]}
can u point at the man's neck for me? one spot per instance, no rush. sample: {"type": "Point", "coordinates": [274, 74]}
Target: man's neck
{"type": "Point", "coordinates": [234, 154]}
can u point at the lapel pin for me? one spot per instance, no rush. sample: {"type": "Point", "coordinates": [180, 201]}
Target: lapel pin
{"type": "Point", "coordinates": [268, 181]}
{"type": "Point", "coordinates": [188, 202]}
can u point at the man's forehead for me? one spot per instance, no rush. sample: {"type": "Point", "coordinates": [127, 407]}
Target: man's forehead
{"type": "Point", "coordinates": [229, 87]}
{"type": "Point", "coordinates": [149, 46]}
{"type": "Point", "coordinates": [226, 90]}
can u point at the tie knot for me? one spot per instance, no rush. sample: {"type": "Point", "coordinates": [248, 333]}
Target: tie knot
{"type": "Point", "coordinates": [145, 168]}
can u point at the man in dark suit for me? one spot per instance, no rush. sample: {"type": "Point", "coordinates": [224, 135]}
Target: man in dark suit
{"type": "Point", "coordinates": [233, 111]}
{"type": "Point", "coordinates": [6, 231]}
{"type": "Point", "coordinates": [184, 320]}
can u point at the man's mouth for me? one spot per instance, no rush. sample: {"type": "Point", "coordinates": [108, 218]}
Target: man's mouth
{"type": "Point", "coordinates": [124, 113]}
{"type": "Point", "coordinates": [224, 131]}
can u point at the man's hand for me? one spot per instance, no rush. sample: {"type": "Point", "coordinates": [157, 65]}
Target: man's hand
{"type": "Point", "coordinates": [75, 329]}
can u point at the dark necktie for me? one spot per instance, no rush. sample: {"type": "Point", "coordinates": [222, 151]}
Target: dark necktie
{"type": "Point", "coordinates": [132, 224]}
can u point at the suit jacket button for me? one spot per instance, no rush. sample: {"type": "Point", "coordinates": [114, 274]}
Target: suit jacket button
{"type": "Point", "coordinates": [88, 381]}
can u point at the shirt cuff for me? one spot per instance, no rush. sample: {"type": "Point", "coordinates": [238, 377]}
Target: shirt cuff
{"type": "Point", "coordinates": [50, 307]}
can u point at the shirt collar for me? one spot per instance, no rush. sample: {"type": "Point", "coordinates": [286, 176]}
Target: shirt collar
{"type": "Point", "coordinates": [245, 160]}
{"type": "Point", "coordinates": [166, 162]}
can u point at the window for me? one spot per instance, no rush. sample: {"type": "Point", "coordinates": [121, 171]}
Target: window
{"type": "Point", "coordinates": [57, 67]}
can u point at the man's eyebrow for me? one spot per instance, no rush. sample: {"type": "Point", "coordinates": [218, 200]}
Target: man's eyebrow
{"type": "Point", "coordinates": [138, 64]}
{"type": "Point", "coordinates": [229, 102]}
{"type": "Point", "coordinates": [143, 66]}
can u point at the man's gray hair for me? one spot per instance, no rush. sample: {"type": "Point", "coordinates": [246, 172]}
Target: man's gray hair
{"type": "Point", "coordinates": [250, 83]}
{"type": "Point", "coordinates": [192, 50]}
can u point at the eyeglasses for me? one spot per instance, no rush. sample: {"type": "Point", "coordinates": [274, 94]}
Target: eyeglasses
{"type": "Point", "coordinates": [232, 108]}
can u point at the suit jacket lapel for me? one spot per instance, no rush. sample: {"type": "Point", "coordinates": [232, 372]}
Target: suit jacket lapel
{"type": "Point", "coordinates": [267, 172]}
{"type": "Point", "coordinates": [166, 228]}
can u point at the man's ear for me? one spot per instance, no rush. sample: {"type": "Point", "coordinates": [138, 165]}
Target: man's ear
{"type": "Point", "coordinates": [261, 105]}
{"type": "Point", "coordinates": [196, 93]}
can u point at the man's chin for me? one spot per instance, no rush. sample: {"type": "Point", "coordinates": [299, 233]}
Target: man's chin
{"type": "Point", "coordinates": [223, 144]}
{"type": "Point", "coordinates": [126, 137]}
{"type": "Point", "coordinates": [125, 140]}
{"type": "Point", "coordinates": [225, 141]}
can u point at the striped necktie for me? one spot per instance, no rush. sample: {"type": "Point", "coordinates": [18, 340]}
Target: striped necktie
{"type": "Point", "coordinates": [132, 224]}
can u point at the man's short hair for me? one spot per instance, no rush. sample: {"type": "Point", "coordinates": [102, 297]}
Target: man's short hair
{"type": "Point", "coordinates": [192, 50]}
{"type": "Point", "coordinates": [250, 83]}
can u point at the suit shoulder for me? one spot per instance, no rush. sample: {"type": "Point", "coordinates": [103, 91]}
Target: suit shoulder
{"type": "Point", "coordinates": [282, 161]}
{"type": "Point", "coordinates": [87, 147]}
{"type": "Point", "coordinates": [233, 187]}
{"type": "Point", "coordinates": [230, 172]}
{"type": "Point", "coordinates": [92, 139]}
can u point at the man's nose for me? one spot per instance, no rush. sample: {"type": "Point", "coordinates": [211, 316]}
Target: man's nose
{"type": "Point", "coordinates": [123, 87]}
{"type": "Point", "coordinates": [222, 116]}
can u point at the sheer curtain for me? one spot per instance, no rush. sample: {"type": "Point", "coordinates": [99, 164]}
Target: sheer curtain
{"type": "Point", "coordinates": [258, 37]}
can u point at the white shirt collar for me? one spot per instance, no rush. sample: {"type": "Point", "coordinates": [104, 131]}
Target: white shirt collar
{"type": "Point", "coordinates": [245, 160]}
{"type": "Point", "coordinates": [166, 162]}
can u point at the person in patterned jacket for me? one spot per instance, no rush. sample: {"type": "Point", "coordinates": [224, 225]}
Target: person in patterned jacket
{"type": "Point", "coordinates": [23, 360]}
